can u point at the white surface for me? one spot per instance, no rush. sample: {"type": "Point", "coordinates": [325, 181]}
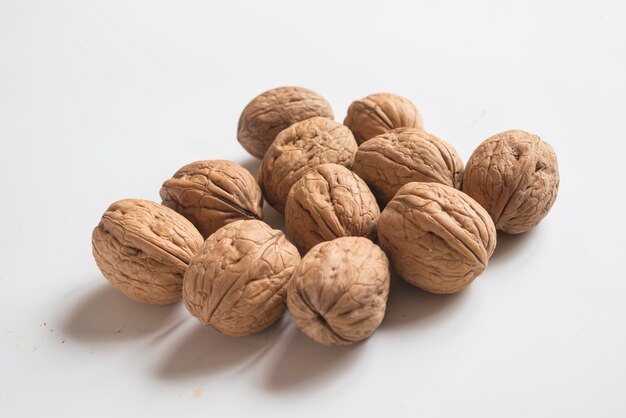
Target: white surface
{"type": "Point", "coordinates": [105, 101]}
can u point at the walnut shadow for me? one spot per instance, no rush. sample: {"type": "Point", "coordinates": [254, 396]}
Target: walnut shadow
{"type": "Point", "coordinates": [508, 245]}
{"type": "Point", "coordinates": [204, 352]}
{"type": "Point", "coordinates": [252, 165]}
{"type": "Point", "coordinates": [105, 315]}
{"type": "Point", "coordinates": [304, 363]}
{"type": "Point", "coordinates": [271, 216]}
{"type": "Point", "coordinates": [408, 305]}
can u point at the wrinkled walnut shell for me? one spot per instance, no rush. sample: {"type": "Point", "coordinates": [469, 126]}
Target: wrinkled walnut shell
{"type": "Point", "coordinates": [437, 238]}
{"type": "Point", "coordinates": [514, 175]}
{"type": "Point", "coordinates": [391, 160]}
{"type": "Point", "coordinates": [274, 110]}
{"type": "Point", "coordinates": [327, 203]}
{"type": "Point", "coordinates": [300, 148]}
{"type": "Point", "coordinates": [143, 249]}
{"type": "Point", "coordinates": [237, 281]}
{"type": "Point", "coordinates": [379, 113]}
{"type": "Point", "coordinates": [339, 292]}
{"type": "Point", "coordinates": [212, 194]}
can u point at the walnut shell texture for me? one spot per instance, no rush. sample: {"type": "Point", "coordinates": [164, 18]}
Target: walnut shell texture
{"type": "Point", "coordinates": [393, 159]}
{"type": "Point", "coordinates": [338, 294]}
{"type": "Point", "coordinates": [237, 281]}
{"type": "Point", "coordinates": [327, 203]}
{"type": "Point", "coordinates": [437, 238]}
{"type": "Point", "coordinates": [274, 110]}
{"type": "Point", "coordinates": [379, 113]}
{"type": "Point", "coordinates": [143, 249]}
{"type": "Point", "coordinates": [514, 175]}
{"type": "Point", "coordinates": [300, 148]}
{"type": "Point", "coordinates": [212, 194]}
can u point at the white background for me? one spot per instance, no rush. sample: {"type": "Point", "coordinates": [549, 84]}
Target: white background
{"type": "Point", "coordinates": [103, 101]}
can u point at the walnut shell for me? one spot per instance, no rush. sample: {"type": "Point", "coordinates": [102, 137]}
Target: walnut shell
{"type": "Point", "coordinates": [393, 159]}
{"type": "Point", "coordinates": [300, 148]}
{"type": "Point", "coordinates": [237, 281]}
{"type": "Point", "coordinates": [274, 110]}
{"type": "Point", "coordinates": [327, 203]}
{"type": "Point", "coordinates": [379, 113]}
{"type": "Point", "coordinates": [514, 175]}
{"type": "Point", "coordinates": [437, 238]}
{"type": "Point", "coordinates": [212, 194]}
{"type": "Point", "coordinates": [338, 294]}
{"type": "Point", "coordinates": [143, 249]}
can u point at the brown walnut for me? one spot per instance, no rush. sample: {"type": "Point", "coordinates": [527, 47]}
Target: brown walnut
{"type": "Point", "coordinates": [437, 238]}
{"type": "Point", "coordinates": [143, 249]}
{"type": "Point", "coordinates": [379, 113]}
{"type": "Point", "coordinates": [393, 159]}
{"type": "Point", "coordinates": [300, 148]}
{"type": "Point", "coordinates": [274, 110]}
{"type": "Point", "coordinates": [339, 292]}
{"type": "Point", "coordinates": [212, 194]}
{"type": "Point", "coordinates": [237, 281]}
{"type": "Point", "coordinates": [514, 175]}
{"type": "Point", "coordinates": [327, 203]}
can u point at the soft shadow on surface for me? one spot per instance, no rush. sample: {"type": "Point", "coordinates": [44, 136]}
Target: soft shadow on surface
{"type": "Point", "coordinates": [305, 363]}
{"type": "Point", "coordinates": [408, 305]}
{"type": "Point", "coordinates": [252, 165]}
{"type": "Point", "coordinates": [507, 244]}
{"type": "Point", "coordinates": [273, 218]}
{"type": "Point", "coordinates": [204, 351]}
{"type": "Point", "coordinates": [103, 314]}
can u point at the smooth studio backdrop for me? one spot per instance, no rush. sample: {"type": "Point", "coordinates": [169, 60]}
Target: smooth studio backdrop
{"type": "Point", "coordinates": [105, 100]}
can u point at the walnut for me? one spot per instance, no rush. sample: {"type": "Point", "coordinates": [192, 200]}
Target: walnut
{"type": "Point", "coordinates": [437, 238]}
{"type": "Point", "coordinates": [212, 194]}
{"type": "Point", "coordinates": [300, 148]}
{"type": "Point", "coordinates": [143, 249]}
{"type": "Point", "coordinates": [379, 113]}
{"type": "Point", "coordinates": [274, 110]}
{"type": "Point", "coordinates": [514, 175]}
{"type": "Point", "coordinates": [339, 292]}
{"type": "Point", "coordinates": [236, 282]}
{"type": "Point", "coordinates": [329, 202]}
{"type": "Point", "coordinates": [393, 159]}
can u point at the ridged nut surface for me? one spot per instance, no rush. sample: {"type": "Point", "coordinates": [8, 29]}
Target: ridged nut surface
{"type": "Point", "coordinates": [393, 159]}
{"type": "Point", "coordinates": [338, 294]}
{"type": "Point", "coordinates": [212, 194]}
{"type": "Point", "coordinates": [437, 238]}
{"type": "Point", "coordinates": [379, 113]}
{"type": "Point", "coordinates": [327, 203]}
{"type": "Point", "coordinates": [274, 110]}
{"type": "Point", "coordinates": [514, 175]}
{"type": "Point", "coordinates": [237, 281]}
{"type": "Point", "coordinates": [143, 249]}
{"type": "Point", "coordinates": [299, 149]}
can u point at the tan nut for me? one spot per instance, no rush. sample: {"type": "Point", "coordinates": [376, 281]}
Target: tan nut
{"type": "Point", "coordinates": [379, 113]}
{"type": "Point", "coordinates": [274, 110]}
{"type": "Point", "coordinates": [143, 249]}
{"type": "Point", "coordinates": [327, 203]}
{"type": "Point", "coordinates": [393, 159]}
{"type": "Point", "coordinates": [339, 292]}
{"type": "Point", "coordinates": [437, 238]}
{"type": "Point", "coordinates": [514, 175]}
{"type": "Point", "coordinates": [237, 281]}
{"type": "Point", "coordinates": [300, 148]}
{"type": "Point", "coordinates": [212, 194]}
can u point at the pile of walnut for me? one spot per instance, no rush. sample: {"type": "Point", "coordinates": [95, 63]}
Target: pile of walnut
{"type": "Point", "coordinates": [359, 198]}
